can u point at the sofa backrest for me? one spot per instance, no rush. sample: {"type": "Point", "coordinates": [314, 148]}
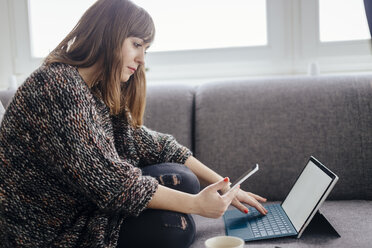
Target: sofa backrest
{"type": "Point", "coordinates": [279, 123]}
{"type": "Point", "coordinates": [169, 109]}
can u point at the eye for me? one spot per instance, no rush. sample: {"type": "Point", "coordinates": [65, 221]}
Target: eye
{"type": "Point", "coordinates": [136, 44]}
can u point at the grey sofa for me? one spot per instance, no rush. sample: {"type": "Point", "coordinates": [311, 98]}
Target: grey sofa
{"type": "Point", "coordinates": [278, 123]}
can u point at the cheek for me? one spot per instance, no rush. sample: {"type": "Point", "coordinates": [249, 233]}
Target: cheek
{"type": "Point", "coordinates": [128, 54]}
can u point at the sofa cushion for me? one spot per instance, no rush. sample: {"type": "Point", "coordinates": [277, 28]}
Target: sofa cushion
{"type": "Point", "coordinates": [347, 217]}
{"type": "Point", "coordinates": [279, 123]}
{"type": "Point", "coordinates": [169, 109]}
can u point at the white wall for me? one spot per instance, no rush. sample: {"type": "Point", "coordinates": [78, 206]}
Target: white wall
{"type": "Point", "coordinates": [6, 61]}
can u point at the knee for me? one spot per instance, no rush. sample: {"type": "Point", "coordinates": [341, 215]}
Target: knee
{"type": "Point", "coordinates": [194, 183]}
{"type": "Point", "coordinates": [186, 180]}
{"type": "Point", "coordinates": [175, 176]}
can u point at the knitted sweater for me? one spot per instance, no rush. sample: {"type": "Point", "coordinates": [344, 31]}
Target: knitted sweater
{"type": "Point", "coordinates": [69, 171]}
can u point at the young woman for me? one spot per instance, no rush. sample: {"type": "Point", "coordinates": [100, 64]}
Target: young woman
{"type": "Point", "coordinates": [79, 169]}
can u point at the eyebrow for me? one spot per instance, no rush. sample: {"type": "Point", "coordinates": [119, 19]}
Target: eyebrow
{"type": "Point", "coordinates": [144, 43]}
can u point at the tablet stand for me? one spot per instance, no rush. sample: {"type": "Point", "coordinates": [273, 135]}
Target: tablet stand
{"type": "Point", "coordinates": [319, 225]}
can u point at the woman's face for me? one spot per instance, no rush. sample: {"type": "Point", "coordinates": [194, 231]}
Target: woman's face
{"type": "Point", "coordinates": [134, 50]}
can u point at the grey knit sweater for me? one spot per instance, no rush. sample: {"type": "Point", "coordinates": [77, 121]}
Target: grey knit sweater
{"type": "Point", "coordinates": [69, 171]}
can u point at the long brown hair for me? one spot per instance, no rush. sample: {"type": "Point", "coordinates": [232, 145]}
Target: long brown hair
{"type": "Point", "coordinates": [97, 39]}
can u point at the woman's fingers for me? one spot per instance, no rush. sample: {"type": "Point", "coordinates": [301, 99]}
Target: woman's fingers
{"type": "Point", "coordinates": [256, 204]}
{"type": "Point", "coordinates": [219, 185]}
{"type": "Point", "coordinates": [240, 206]}
{"type": "Point", "coordinates": [250, 199]}
{"type": "Point", "coordinates": [210, 203]}
{"type": "Point", "coordinates": [214, 205]}
{"type": "Point", "coordinates": [257, 197]}
{"type": "Point", "coordinates": [259, 207]}
{"type": "Point", "coordinates": [231, 194]}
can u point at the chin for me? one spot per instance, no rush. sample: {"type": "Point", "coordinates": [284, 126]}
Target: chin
{"type": "Point", "coordinates": [124, 78]}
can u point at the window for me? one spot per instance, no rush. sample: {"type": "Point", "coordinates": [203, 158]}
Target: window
{"type": "Point", "coordinates": [49, 25]}
{"type": "Point", "coordinates": [182, 25]}
{"type": "Point", "coordinates": [329, 41]}
{"type": "Point", "coordinates": [195, 24]}
{"type": "Point", "coordinates": [342, 20]}
{"type": "Point", "coordinates": [214, 39]}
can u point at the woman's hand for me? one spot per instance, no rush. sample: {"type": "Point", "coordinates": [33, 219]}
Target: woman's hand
{"type": "Point", "coordinates": [250, 199]}
{"type": "Point", "coordinates": [210, 203]}
{"type": "Point", "coordinates": [207, 176]}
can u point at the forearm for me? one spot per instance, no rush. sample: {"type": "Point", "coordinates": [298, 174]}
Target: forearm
{"type": "Point", "coordinates": [205, 175]}
{"type": "Point", "coordinates": [207, 203]}
{"type": "Point", "coordinates": [168, 199]}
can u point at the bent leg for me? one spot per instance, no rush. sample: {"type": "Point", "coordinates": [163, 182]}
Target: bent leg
{"type": "Point", "coordinates": [161, 228]}
{"type": "Point", "coordinates": [175, 176]}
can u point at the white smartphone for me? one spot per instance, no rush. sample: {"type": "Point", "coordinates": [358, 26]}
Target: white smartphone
{"type": "Point", "coordinates": [244, 177]}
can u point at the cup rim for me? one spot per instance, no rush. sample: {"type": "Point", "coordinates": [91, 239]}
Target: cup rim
{"type": "Point", "coordinates": [208, 243]}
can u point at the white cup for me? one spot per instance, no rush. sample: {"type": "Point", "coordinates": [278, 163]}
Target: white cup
{"type": "Point", "coordinates": [224, 242]}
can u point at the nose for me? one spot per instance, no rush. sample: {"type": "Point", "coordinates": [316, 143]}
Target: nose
{"type": "Point", "coordinates": [140, 58]}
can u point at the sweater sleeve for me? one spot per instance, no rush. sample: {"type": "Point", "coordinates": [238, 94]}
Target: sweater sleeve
{"type": "Point", "coordinates": [155, 147]}
{"type": "Point", "coordinates": [76, 144]}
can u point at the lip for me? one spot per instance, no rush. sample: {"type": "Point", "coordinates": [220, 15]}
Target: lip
{"type": "Point", "coordinates": [132, 69]}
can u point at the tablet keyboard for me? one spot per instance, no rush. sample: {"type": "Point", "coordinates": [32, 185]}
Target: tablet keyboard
{"type": "Point", "coordinates": [274, 223]}
{"type": "Point", "coordinates": [255, 226]}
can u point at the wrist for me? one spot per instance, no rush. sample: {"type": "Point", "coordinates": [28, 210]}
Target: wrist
{"type": "Point", "coordinates": [194, 207]}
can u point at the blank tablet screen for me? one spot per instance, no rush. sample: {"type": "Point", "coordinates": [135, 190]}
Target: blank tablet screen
{"type": "Point", "coordinates": [305, 194]}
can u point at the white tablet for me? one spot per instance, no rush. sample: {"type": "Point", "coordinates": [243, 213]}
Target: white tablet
{"type": "Point", "coordinates": [308, 193]}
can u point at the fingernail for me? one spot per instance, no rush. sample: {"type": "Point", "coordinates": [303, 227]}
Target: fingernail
{"type": "Point", "coordinates": [246, 211]}
{"type": "Point", "coordinates": [226, 179]}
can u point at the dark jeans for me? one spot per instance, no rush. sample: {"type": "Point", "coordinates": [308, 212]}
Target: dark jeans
{"type": "Point", "coordinates": [161, 228]}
